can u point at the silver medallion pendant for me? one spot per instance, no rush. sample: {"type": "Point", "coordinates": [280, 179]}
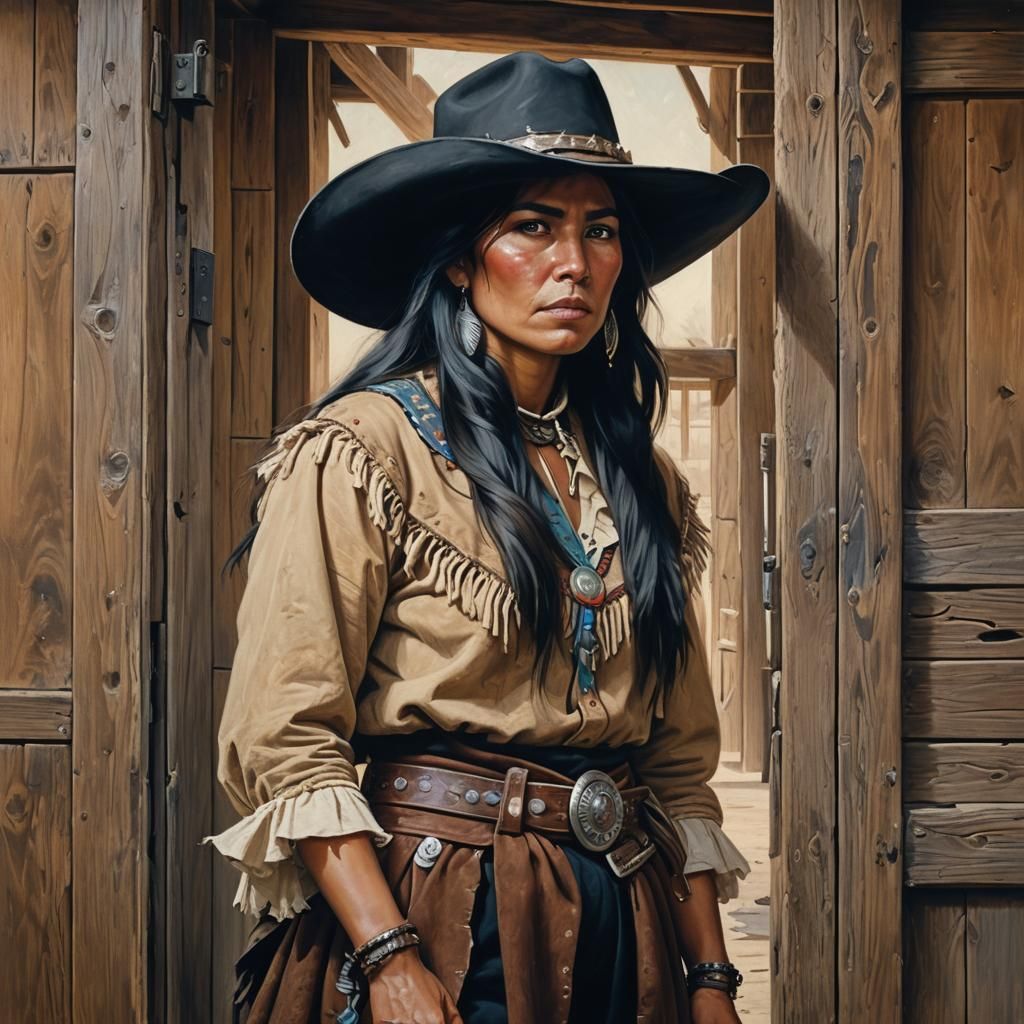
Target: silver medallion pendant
{"type": "Point", "coordinates": [596, 812]}
{"type": "Point", "coordinates": [587, 586]}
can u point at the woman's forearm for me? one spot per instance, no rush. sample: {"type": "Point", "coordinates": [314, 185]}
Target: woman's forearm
{"type": "Point", "coordinates": [700, 924]}
{"type": "Point", "coordinates": [350, 878]}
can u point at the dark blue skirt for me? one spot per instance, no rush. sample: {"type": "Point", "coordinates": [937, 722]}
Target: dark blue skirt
{"type": "Point", "coordinates": [604, 989]}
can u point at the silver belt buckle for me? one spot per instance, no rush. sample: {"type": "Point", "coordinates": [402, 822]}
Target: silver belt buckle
{"type": "Point", "coordinates": [596, 812]}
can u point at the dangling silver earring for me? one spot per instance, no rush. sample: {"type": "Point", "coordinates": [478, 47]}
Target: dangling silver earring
{"type": "Point", "coordinates": [611, 336]}
{"type": "Point", "coordinates": [468, 326]}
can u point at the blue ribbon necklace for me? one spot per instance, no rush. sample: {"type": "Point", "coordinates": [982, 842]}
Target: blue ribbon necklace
{"type": "Point", "coordinates": [586, 585]}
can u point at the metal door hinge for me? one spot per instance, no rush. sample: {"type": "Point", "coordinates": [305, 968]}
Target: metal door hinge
{"type": "Point", "coordinates": [191, 75]}
{"type": "Point", "coordinates": [201, 286]}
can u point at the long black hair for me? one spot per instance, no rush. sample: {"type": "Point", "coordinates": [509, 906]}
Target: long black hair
{"type": "Point", "coordinates": [620, 408]}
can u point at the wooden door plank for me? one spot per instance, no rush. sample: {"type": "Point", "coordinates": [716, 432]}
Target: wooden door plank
{"type": "Point", "coordinates": [963, 772]}
{"type": "Point", "coordinates": [55, 56]}
{"type": "Point", "coordinates": [109, 797]}
{"type": "Point", "coordinates": [934, 953]}
{"type": "Point", "coordinates": [969, 61]}
{"type": "Point", "coordinates": [17, 85]}
{"type": "Point", "coordinates": [252, 265]}
{"type": "Point", "coordinates": [35, 715]}
{"type": "Point", "coordinates": [995, 952]}
{"type": "Point", "coordinates": [804, 937]}
{"type": "Point", "coordinates": [964, 546]}
{"type": "Point", "coordinates": [36, 230]}
{"type": "Point", "coordinates": [934, 345]}
{"type": "Point", "coordinates": [982, 623]}
{"type": "Point", "coordinates": [965, 844]}
{"type": "Point", "coordinates": [554, 29]}
{"type": "Point", "coordinates": [35, 883]}
{"type": "Point", "coordinates": [963, 699]}
{"type": "Point", "coordinates": [252, 141]}
{"type": "Point", "coordinates": [871, 524]}
{"type": "Point", "coordinates": [755, 403]}
{"type": "Point", "coordinates": [995, 302]}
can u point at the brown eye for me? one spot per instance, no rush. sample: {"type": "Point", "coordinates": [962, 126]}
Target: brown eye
{"type": "Point", "coordinates": [607, 232]}
{"type": "Point", "coordinates": [532, 227]}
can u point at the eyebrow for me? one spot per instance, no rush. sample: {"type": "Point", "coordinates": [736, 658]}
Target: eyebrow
{"type": "Point", "coordinates": [555, 211]}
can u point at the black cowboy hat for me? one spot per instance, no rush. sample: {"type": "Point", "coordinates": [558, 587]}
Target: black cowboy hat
{"type": "Point", "coordinates": [360, 240]}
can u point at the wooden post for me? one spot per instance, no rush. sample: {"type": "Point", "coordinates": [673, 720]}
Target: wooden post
{"type": "Point", "coordinates": [803, 919]}
{"type": "Point", "coordinates": [724, 612]}
{"type": "Point", "coordinates": [755, 406]}
{"type": "Point", "coordinates": [111, 571]}
{"type": "Point", "coordinates": [870, 512]}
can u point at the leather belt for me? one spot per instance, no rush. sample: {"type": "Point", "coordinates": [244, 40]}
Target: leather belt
{"type": "Point", "coordinates": [594, 811]}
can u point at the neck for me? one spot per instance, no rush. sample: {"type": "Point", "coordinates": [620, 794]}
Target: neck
{"type": "Point", "coordinates": [531, 374]}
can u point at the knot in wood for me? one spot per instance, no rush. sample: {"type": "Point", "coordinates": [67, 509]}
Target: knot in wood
{"type": "Point", "coordinates": [816, 103]}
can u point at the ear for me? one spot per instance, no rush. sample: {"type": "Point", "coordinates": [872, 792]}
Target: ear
{"type": "Point", "coordinates": [458, 274]}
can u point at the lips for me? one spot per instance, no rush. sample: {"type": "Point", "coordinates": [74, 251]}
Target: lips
{"type": "Point", "coordinates": [570, 308]}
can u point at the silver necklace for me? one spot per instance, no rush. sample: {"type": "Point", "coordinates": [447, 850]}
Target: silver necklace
{"type": "Point", "coordinates": [543, 428]}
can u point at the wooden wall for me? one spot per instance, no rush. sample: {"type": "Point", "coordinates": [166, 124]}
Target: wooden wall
{"type": "Point", "coordinates": [963, 487]}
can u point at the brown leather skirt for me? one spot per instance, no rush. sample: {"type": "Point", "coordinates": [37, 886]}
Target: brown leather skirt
{"type": "Point", "coordinates": [288, 971]}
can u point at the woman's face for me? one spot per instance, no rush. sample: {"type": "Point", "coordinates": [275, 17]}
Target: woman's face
{"type": "Point", "coordinates": [542, 277]}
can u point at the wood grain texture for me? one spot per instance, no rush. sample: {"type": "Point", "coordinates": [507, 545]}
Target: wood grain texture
{"type": "Point", "coordinates": [969, 61]}
{"type": "Point", "coordinates": [252, 141]}
{"type": "Point", "coordinates": [995, 952]}
{"type": "Point", "coordinates": [995, 302]}
{"type": "Point", "coordinates": [755, 403]}
{"type": "Point", "coordinates": [804, 936]}
{"type": "Point", "coordinates": [36, 232]}
{"type": "Point", "coordinates": [934, 326]}
{"type": "Point", "coordinates": [188, 706]}
{"type": "Point", "coordinates": [252, 269]}
{"type": "Point", "coordinates": [725, 566]}
{"type": "Point", "coordinates": [35, 715]}
{"type": "Point", "coordinates": [109, 799]}
{"type": "Point", "coordinates": [982, 623]}
{"type": "Point", "coordinates": [695, 363]}
{"type": "Point", "coordinates": [934, 956]}
{"type": "Point", "coordinates": [963, 699]}
{"type": "Point", "coordinates": [56, 41]}
{"type": "Point", "coordinates": [17, 83]}
{"type": "Point", "coordinates": [35, 883]}
{"type": "Point", "coordinates": [755, 114]}
{"type": "Point", "coordinates": [964, 15]}
{"type": "Point", "coordinates": [964, 546]}
{"type": "Point", "coordinates": [963, 772]}
{"type": "Point", "coordinates": [558, 30]}
{"type": "Point", "coordinates": [301, 343]}
{"type": "Point", "coordinates": [965, 844]}
{"type": "Point", "coordinates": [870, 516]}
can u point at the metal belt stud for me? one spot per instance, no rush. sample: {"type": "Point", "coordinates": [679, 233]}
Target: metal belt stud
{"type": "Point", "coordinates": [596, 811]}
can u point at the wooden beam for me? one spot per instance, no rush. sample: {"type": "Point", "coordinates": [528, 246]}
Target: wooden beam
{"type": "Point", "coordinates": [935, 953]}
{"type": "Point", "coordinates": [381, 84]}
{"type": "Point", "coordinates": [803, 880]}
{"type": "Point", "coordinates": [949, 773]}
{"type": "Point", "coordinates": [700, 363]}
{"type": "Point", "coordinates": [870, 190]}
{"type": "Point", "coordinates": [747, 8]}
{"type": "Point", "coordinates": [946, 546]}
{"type": "Point", "coordinates": [338, 125]}
{"type": "Point", "coordinates": [981, 623]}
{"type": "Point", "coordinates": [962, 15]}
{"type": "Point", "coordinates": [964, 61]}
{"type": "Point", "coordinates": [422, 90]}
{"type": "Point", "coordinates": [697, 97]}
{"type": "Point", "coordinates": [553, 29]}
{"type": "Point", "coordinates": [965, 845]}
{"type": "Point", "coordinates": [35, 715]}
{"type": "Point", "coordinates": [398, 60]}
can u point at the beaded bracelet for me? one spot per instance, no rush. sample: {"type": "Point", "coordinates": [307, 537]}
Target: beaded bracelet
{"type": "Point", "coordinates": [368, 957]}
{"type": "Point", "coordinates": [722, 976]}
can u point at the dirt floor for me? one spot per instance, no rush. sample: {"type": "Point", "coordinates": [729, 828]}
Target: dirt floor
{"type": "Point", "coordinates": [745, 804]}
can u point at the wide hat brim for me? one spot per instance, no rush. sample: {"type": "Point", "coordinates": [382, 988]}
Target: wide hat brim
{"type": "Point", "coordinates": [362, 238]}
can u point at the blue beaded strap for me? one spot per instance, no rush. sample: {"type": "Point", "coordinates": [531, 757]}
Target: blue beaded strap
{"type": "Point", "coordinates": [425, 416]}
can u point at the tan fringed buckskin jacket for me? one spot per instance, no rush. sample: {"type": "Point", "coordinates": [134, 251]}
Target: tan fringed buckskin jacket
{"type": "Point", "coordinates": [376, 604]}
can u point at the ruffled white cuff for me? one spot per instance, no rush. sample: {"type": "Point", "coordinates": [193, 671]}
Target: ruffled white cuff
{"type": "Point", "coordinates": [262, 845]}
{"type": "Point", "coordinates": [709, 848]}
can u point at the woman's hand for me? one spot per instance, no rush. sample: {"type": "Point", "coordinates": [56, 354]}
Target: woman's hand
{"type": "Point", "coordinates": [711, 1006]}
{"type": "Point", "coordinates": [403, 991]}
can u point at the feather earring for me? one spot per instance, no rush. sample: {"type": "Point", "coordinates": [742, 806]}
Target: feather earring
{"type": "Point", "coordinates": [611, 336]}
{"type": "Point", "coordinates": [468, 326]}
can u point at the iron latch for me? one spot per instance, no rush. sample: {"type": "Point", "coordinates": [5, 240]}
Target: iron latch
{"type": "Point", "coordinates": [201, 286]}
{"type": "Point", "coordinates": [191, 78]}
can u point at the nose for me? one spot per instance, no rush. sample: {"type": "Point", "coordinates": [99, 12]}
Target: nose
{"type": "Point", "coordinates": [571, 260]}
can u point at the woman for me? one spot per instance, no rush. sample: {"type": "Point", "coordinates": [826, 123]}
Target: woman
{"type": "Point", "coordinates": [472, 569]}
